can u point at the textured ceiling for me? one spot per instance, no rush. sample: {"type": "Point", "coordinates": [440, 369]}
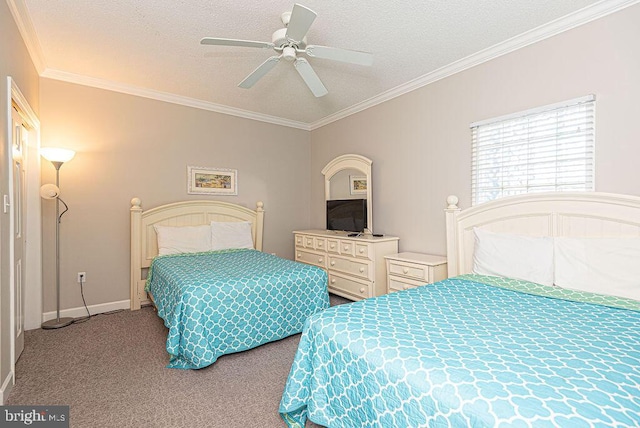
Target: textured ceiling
{"type": "Point", "coordinates": [154, 45]}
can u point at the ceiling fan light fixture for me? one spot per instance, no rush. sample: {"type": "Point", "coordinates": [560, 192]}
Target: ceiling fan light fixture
{"type": "Point", "coordinates": [289, 53]}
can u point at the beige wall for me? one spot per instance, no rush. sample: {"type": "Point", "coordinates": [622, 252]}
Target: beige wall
{"type": "Point", "coordinates": [130, 146]}
{"type": "Point", "coordinates": [14, 62]}
{"type": "Point", "coordinates": [420, 143]}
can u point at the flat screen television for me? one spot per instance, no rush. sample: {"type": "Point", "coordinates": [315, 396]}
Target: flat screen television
{"type": "Point", "coordinates": [347, 214]}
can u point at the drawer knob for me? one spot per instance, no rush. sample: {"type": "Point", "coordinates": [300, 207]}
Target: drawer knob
{"type": "Point", "coordinates": [299, 255]}
{"type": "Point", "coordinates": [320, 260]}
{"type": "Point", "coordinates": [333, 280]}
{"type": "Point", "coordinates": [405, 270]}
{"type": "Point", "coordinates": [333, 263]}
{"type": "Point", "coordinates": [361, 250]}
{"type": "Point", "coordinates": [319, 244]}
{"type": "Point", "coordinates": [362, 289]}
{"type": "Point", "coordinates": [346, 248]}
{"type": "Point", "coordinates": [361, 270]}
{"type": "Point", "coordinates": [333, 245]}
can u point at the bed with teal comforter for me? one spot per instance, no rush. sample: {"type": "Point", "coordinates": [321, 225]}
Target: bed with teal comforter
{"type": "Point", "coordinates": [220, 302]}
{"type": "Point", "coordinates": [470, 351]}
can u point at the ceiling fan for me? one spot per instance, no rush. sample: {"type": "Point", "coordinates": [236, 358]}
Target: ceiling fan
{"type": "Point", "coordinates": [289, 42]}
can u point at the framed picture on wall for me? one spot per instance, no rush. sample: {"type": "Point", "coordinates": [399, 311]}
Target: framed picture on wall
{"type": "Point", "coordinates": [358, 184]}
{"type": "Point", "coordinates": [212, 181]}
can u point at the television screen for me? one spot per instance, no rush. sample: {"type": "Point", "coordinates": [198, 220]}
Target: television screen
{"type": "Point", "coordinates": [347, 214]}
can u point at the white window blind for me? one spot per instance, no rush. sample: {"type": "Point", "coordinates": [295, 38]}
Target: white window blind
{"type": "Point", "coordinates": [546, 149]}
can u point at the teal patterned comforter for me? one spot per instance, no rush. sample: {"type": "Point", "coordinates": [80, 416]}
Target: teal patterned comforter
{"type": "Point", "coordinates": [221, 302]}
{"type": "Point", "coordinates": [469, 351]}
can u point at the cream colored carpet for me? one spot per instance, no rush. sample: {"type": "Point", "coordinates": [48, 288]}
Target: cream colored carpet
{"type": "Point", "coordinates": [111, 371]}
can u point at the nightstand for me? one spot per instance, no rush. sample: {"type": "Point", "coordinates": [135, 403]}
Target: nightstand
{"type": "Point", "coordinates": [410, 270]}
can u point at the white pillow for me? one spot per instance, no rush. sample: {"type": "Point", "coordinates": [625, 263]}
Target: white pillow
{"type": "Point", "coordinates": [599, 265]}
{"type": "Point", "coordinates": [233, 234]}
{"type": "Point", "coordinates": [513, 256]}
{"type": "Point", "coordinates": [183, 239]}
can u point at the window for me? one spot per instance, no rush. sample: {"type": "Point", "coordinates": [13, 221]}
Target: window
{"type": "Point", "coordinates": [546, 149]}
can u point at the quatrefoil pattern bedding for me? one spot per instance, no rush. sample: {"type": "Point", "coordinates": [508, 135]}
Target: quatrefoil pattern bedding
{"type": "Point", "coordinates": [217, 303]}
{"type": "Point", "coordinates": [469, 351]}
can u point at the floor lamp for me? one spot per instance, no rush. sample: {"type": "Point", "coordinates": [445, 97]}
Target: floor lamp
{"type": "Point", "coordinates": [49, 191]}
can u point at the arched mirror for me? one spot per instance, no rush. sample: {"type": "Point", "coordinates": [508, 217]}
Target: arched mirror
{"type": "Point", "coordinates": [349, 177]}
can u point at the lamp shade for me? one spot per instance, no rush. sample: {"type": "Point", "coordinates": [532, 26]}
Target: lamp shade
{"type": "Point", "coordinates": [49, 191]}
{"type": "Point", "coordinates": [53, 154]}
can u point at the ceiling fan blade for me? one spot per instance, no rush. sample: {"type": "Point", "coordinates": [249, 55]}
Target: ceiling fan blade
{"type": "Point", "coordinates": [259, 72]}
{"type": "Point", "coordinates": [235, 42]}
{"type": "Point", "coordinates": [336, 54]}
{"type": "Point", "coordinates": [310, 77]}
{"type": "Point", "coordinates": [299, 23]}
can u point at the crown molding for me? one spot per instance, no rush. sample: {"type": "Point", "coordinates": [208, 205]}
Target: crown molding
{"type": "Point", "coordinates": [169, 98]}
{"type": "Point", "coordinates": [568, 22]}
{"type": "Point", "coordinates": [590, 13]}
{"type": "Point", "coordinates": [23, 21]}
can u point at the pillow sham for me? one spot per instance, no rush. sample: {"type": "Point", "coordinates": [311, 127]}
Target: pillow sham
{"type": "Point", "coordinates": [183, 239]}
{"type": "Point", "coordinates": [608, 266]}
{"type": "Point", "coordinates": [513, 256]}
{"type": "Point", "coordinates": [228, 235]}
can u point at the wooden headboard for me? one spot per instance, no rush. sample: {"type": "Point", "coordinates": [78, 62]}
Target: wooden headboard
{"type": "Point", "coordinates": [570, 214]}
{"type": "Point", "coordinates": [144, 245]}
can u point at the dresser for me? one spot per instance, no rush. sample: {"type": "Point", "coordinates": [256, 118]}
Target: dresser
{"type": "Point", "coordinates": [409, 270]}
{"type": "Point", "coordinates": [355, 265]}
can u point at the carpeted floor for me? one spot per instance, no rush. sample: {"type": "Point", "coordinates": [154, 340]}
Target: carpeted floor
{"type": "Point", "coordinates": [111, 371]}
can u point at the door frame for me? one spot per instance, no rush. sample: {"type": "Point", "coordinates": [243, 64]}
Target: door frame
{"type": "Point", "coordinates": [33, 223]}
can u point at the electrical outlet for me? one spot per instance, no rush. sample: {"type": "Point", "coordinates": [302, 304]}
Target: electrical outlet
{"type": "Point", "coordinates": [82, 277]}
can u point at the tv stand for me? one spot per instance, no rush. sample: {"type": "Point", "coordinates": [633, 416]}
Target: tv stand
{"type": "Point", "coordinates": [355, 264]}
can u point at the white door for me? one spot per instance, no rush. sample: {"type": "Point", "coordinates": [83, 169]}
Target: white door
{"type": "Point", "coordinates": [19, 146]}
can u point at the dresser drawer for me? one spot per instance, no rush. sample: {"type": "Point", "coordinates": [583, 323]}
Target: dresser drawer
{"type": "Point", "coordinates": [333, 246]}
{"type": "Point", "coordinates": [320, 244]}
{"type": "Point", "coordinates": [409, 270]}
{"type": "Point", "coordinates": [311, 258]}
{"type": "Point", "coordinates": [358, 268]}
{"type": "Point", "coordinates": [309, 242]}
{"type": "Point", "coordinates": [350, 286]}
{"type": "Point", "coordinates": [397, 283]}
{"type": "Point", "coordinates": [299, 241]}
{"type": "Point", "coordinates": [363, 251]}
{"type": "Point", "coordinates": [346, 248]}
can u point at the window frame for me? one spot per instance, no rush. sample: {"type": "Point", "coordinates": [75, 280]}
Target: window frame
{"type": "Point", "coordinates": [502, 143]}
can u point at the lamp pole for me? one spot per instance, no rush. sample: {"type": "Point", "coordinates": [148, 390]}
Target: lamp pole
{"type": "Point", "coordinates": [58, 322]}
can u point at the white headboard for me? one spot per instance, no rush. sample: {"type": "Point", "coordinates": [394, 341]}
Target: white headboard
{"type": "Point", "coordinates": [144, 245]}
{"type": "Point", "coordinates": [571, 214]}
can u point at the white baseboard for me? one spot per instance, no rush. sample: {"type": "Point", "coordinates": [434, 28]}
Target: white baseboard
{"type": "Point", "coordinates": [93, 309]}
{"type": "Point", "coordinates": [7, 386]}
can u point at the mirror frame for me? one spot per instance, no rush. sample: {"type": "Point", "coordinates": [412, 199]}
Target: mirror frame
{"type": "Point", "coordinates": [350, 161]}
